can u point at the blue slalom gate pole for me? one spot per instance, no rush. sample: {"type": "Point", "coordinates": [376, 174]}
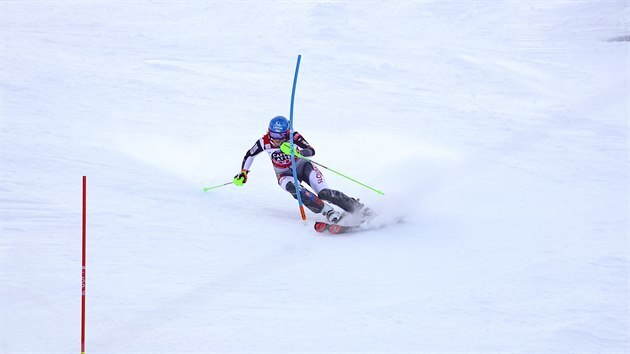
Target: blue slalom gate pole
{"type": "Point", "coordinates": [295, 179]}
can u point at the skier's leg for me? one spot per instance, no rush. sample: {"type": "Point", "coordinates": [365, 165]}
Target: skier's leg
{"type": "Point", "coordinates": [338, 198]}
{"type": "Point", "coordinates": [314, 177]}
{"type": "Point", "coordinates": [310, 200]}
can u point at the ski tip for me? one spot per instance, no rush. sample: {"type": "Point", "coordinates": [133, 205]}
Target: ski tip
{"type": "Point", "coordinates": [320, 226]}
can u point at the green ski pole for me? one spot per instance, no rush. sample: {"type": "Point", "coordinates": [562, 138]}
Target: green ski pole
{"type": "Point", "coordinates": [339, 173]}
{"type": "Point", "coordinates": [220, 185]}
{"type": "Point", "coordinates": [342, 175]}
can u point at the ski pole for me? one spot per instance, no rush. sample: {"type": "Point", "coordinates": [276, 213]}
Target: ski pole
{"type": "Point", "coordinates": [342, 175]}
{"type": "Point", "coordinates": [220, 185]}
{"type": "Point", "coordinates": [339, 173]}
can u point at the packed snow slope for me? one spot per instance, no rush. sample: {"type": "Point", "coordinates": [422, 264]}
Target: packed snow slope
{"type": "Point", "coordinates": [498, 131]}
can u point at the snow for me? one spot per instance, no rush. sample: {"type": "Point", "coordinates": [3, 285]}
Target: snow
{"type": "Point", "coordinates": [497, 130]}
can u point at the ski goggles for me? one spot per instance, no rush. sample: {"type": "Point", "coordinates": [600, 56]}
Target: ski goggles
{"type": "Point", "coordinates": [278, 136]}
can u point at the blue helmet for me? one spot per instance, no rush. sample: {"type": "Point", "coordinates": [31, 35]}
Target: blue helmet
{"type": "Point", "coordinates": [279, 127]}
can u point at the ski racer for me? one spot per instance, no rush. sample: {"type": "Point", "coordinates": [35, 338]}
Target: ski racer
{"type": "Point", "coordinates": [276, 144]}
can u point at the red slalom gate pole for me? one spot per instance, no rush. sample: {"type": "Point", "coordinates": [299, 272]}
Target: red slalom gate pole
{"type": "Point", "coordinates": [83, 268]}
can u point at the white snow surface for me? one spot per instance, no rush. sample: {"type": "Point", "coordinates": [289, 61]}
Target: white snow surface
{"type": "Point", "coordinates": [497, 129]}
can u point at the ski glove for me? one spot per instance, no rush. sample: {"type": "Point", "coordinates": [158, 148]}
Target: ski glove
{"type": "Point", "coordinates": [286, 148]}
{"type": "Point", "coordinates": [241, 178]}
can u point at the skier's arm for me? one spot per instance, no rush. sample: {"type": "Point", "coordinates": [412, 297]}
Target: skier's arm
{"type": "Point", "coordinates": [306, 149]}
{"type": "Point", "coordinates": [250, 155]}
{"type": "Point", "coordinates": [241, 177]}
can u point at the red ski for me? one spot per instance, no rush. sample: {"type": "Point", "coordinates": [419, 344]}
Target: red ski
{"type": "Point", "coordinates": [334, 229]}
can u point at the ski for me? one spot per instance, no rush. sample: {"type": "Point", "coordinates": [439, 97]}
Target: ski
{"type": "Point", "coordinates": [334, 229]}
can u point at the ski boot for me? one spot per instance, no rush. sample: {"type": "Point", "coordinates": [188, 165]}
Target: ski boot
{"type": "Point", "coordinates": [331, 214]}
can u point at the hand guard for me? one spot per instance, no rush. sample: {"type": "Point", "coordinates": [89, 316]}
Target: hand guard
{"type": "Point", "coordinates": [241, 178]}
{"type": "Point", "coordinates": [286, 148]}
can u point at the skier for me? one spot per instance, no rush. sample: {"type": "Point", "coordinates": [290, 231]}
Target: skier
{"type": "Point", "coordinates": [276, 144]}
